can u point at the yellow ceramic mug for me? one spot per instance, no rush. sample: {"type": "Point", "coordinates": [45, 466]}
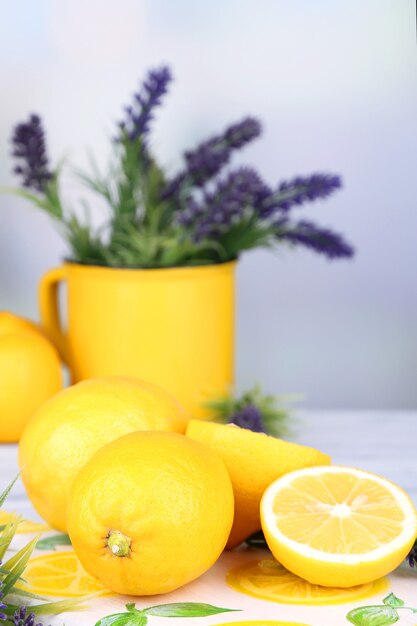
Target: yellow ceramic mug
{"type": "Point", "coordinates": [173, 327]}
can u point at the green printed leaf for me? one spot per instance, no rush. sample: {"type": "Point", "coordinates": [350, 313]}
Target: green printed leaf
{"type": "Point", "coordinates": [185, 609]}
{"type": "Point", "coordinates": [373, 616]}
{"type": "Point", "coordinates": [393, 601]}
{"type": "Point", "coordinates": [50, 543]}
{"type": "Point", "coordinates": [136, 618]}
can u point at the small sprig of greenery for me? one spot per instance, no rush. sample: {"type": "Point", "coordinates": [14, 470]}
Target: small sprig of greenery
{"type": "Point", "coordinates": [13, 596]}
{"type": "Point", "coordinates": [139, 617]}
{"type": "Point", "coordinates": [254, 410]}
{"type": "Point", "coordinates": [205, 214]}
{"type": "Point", "coordinates": [379, 614]}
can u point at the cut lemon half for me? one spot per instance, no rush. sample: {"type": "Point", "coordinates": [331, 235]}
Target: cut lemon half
{"type": "Point", "coordinates": [338, 526]}
{"type": "Point", "coordinates": [254, 461]}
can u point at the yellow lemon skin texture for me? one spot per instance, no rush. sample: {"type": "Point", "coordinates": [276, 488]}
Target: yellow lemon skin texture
{"type": "Point", "coordinates": [68, 429]}
{"type": "Point", "coordinates": [30, 373]}
{"type": "Point", "coordinates": [338, 526]}
{"type": "Point", "coordinates": [9, 322]}
{"type": "Point", "coordinates": [254, 461]}
{"type": "Point", "coordinates": [150, 512]}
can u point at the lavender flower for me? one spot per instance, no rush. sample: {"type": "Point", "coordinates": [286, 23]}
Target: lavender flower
{"type": "Point", "coordinates": [21, 618]}
{"type": "Point", "coordinates": [320, 240]}
{"type": "Point", "coordinates": [140, 114]}
{"type": "Point", "coordinates": [249, 417]}
{"type": "Point", "coordinates": [412, 556]}
{"type": "Point", "coordinates": [206, 161]}
{"type": "Point", "coordinates": [297, 191]}
{"type": "Point", "coordinates": [30, 149]}
{"type": "Point", "coordinates": [227, 203]}
{"type": "Point", "coordinates": [3, 616]}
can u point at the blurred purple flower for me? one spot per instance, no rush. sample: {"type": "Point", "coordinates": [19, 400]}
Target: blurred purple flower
{"type": "Point", "coordinates": [320, 240]}
{"type": "Point", "coordinates": [29, 148]}
{"type": "Point", "coordinates": [140, 113]}
{"type": "Point", "coordinates": [412, 556]}
{"type": "Point", "coordinates": [249, 417]}
{"type": "Point", "coordinates": [297, 191]}
{"type": "Point", "coordinates": [241, 190]}
{"type": "Point", "coordinates": [21, 618]}
{"type": "Point", "coordinates": [207, 160]}
{"type": "Point", "coordinates": [3, 616]}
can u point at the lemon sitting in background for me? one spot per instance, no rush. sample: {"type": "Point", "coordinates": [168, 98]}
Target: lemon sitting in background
{"type": "Point", "coordinates": [68, 429]}
{"type": "Point", "coordinates": [30, 373]}
{"type": "Point", "coordinates": [150, 512]}
{"type": "Point", "coordinates": [254, 461]}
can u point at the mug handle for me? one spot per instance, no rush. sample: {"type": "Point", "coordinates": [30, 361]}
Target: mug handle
{"type": "Point", "coordinates": [49, 310]}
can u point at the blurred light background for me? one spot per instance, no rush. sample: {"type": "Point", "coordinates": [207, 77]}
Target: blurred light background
{"type": "Point", "coordinates": [335, 85]}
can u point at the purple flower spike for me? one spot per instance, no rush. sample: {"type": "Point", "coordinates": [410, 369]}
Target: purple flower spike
{"type": "Point", "coordinates": [320, 240]}
{"type": "Point", "coordinates": [249, 417]}
{"type": "Point", "coordinates": [207, 160]}
{"type": "Point", "coordinates": [3, 616]}
{"type": "Point", "coordinates": [226, 204]}
{"type": "Point", "coordinates": [412, 556]}
{"type": "Point", "coordinates": [140, 114]}
{"type": "Point", "coordinates": [21, 618]}
{"type": "Point", "coordinates": [29, 148]}
{"type": "Point", "coordinates": [299, 190]}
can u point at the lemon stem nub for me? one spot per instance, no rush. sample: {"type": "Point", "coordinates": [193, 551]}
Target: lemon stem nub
{"type": "Point", "coordinates": [118, 543]}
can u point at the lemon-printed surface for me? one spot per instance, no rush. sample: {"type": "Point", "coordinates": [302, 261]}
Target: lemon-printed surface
{"type": "Point", "coordinates": [268, 580]}
{"type": "Point", "coordinates": [25, 526]}
{"type": "Point", "coordinates": [262, 622]}
{"type": "Point", "coordinates": [59, 574]}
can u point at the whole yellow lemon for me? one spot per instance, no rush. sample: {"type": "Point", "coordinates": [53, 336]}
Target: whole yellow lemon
{"type": "Point", "coordinates": [68, 429]}
{"type": "Point", "coordinates": [30, 373]}
{"type": "Point", "coordinates": [150, 512]}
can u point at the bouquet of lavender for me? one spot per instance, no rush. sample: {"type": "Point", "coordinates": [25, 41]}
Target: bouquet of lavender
{"type": "Point", "coordinates": [206, 213]}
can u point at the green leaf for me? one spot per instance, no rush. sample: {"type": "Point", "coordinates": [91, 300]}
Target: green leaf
{"type": "Point", "coordinates": [52, 608]}
{"type": "Point", "coordinates": [8, 534]}
{"type": "Point", "coordinates": [16, 566]}
{"type": "Point", "coordinates": [136, 618]}
{"type": "Point", "coordinates": [185, 609]}
{"type": "Point", "coordinates": [6, 492]}
{"type": "Point", "coordinates": [50, 543]}
{"type": "Point", "coordinates": [393, 601]}
{"type": "Point", "coordinates": [373, 616]}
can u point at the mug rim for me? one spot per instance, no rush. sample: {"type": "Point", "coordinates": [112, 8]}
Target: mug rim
{"type": "Point", "coordinates": [181, 270]}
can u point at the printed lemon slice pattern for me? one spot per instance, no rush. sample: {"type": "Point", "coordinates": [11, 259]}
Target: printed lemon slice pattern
{"type": "Point", "coordinates": [25, 526]}
{"type": "Point", "coordinates": [59, 574]}
{"type": "Point", "coordinates": [262, 622]}
{"type": "Point", "coordinates": [268, 580]}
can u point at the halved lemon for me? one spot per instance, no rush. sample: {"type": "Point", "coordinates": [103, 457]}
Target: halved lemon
{"type": "Point", "coordinates": [254, 461]}
{"type": "Point", "coordinates": [338, 526]}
